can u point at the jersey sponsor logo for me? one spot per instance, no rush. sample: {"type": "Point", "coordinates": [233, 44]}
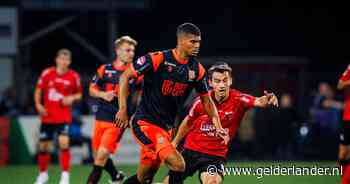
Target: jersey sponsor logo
{"type": "Point", "coordinates": [141, 60]}
{"type": "Point", "coordinates": [54, 95]}
{"type": "Point", "coordinates": [173, 88]}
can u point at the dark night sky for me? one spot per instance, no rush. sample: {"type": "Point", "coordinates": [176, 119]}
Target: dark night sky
{"type": "Point", "coordinates": [314, 29]}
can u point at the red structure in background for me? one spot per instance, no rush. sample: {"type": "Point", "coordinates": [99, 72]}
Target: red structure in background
{"type": "Point", "coordinates": [4, 140]}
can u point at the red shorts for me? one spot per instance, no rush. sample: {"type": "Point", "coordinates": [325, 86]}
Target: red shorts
{"type": "Point", "coordinates": [106, 135]}
{"type": "Point", "coordinates": [155, 142]}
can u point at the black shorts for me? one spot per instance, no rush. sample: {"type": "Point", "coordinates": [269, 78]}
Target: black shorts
{"type": "Point", "coordinates": [197, 161]}
{"type": "Point", "coordinates": [344, 136]}
{"type": "Point", "coordinates": [49, 131]}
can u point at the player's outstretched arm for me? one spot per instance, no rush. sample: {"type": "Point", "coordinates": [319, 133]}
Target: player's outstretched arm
{"type": "Point", "coordinates": [269, 99]}
{"type": "Point", "coordinates": [212, 112]}
{"type": "Point", "coordinates": [122, 115]}
{"type": "Point", "coordinates": [185, 126]}
{"type": "Point", "coordinates": [342, 84]}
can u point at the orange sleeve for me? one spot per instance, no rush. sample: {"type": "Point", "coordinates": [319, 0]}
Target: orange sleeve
{"type": "Point", "coordinates": [157, 58]}
{"type": "Point", "coordinates": [201, 72]}
{"type": "Point", "coordinates": [101, 71]}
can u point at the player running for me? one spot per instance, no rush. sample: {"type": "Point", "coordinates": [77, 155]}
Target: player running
{"type": "Point", "coordinates": [344, 146]}
{"type": "Point", "coordinates": [105, 87]}
{"type": "Point", "coordinates": [202, 149]}
{"type": "Point", "coordinates": [59, 87]}
{"type": "Point", "coordinates": [169, 77]}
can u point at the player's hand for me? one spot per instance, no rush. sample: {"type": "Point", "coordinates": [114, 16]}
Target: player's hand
{"type": "Point", "coordinates": [68, 100]}
{"type": "Point", "coordinates": [121, 119]}
{"type": "Point", "coordinates": [272, 99]}
{"type": "Point", "coordinates": [41, 109]}
{"type": "Point", "coordinates": [108, 96]}
{"type": "Point", "coordinates": [224, 135]}
{"type": "Point", "coordinates": [174, 143]}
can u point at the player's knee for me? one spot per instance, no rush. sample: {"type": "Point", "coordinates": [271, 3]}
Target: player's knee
{"type": "Point", "coordinates": [44, 146]}
{"type": "Point", "coordinates": [101, 157]}
{"type": "Point", "coordinates": [179, 166]}
{"type": "Point", "coordinates": [63, 142]}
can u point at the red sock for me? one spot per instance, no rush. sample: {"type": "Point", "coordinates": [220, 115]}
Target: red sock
{"type": "Point", "coordinates": [346, 174]}
{"type": "Point", "coordinates": [65, 159]}
{"type": "Point", "coordinates": [43, 161]}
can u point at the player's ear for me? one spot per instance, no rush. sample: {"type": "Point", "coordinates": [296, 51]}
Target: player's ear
{"type": "Point", "coordinates": [210, 83]}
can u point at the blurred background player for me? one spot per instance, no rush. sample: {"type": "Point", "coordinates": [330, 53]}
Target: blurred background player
{"type": "Point", "coordinates": [344, 148]}
{"type": "Point", "coordinates": [169, 77]}
{"type": "Point", "coordinates": [59, 87]}
{"type": "Point", "coordinates": [105, 87]}
{"type": "Point", "coordinates": [202, 148]}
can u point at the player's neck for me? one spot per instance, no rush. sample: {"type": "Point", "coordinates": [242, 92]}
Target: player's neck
{"type": "Point", "coordinates": [119, 63]}
{"type": "Point", "coordinates": [61, 71]}
{"type": "Point", "coordinates": [221, 99]}
{"type": "Point", "coordinates": [181, 54]}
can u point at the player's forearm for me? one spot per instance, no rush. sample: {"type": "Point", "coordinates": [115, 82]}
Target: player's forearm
{"type": "Point", "coordinates": [182, 131]}
{"type": "Point", "coordinates": [342, 84]}
{"type": "Point", "coordinates": [211, 110]}
{"type": "Point", "coordinates": [77, 97]}
{"type": "Point", "coordinates": [95, 92]}
{"type": "Point", "coordinates": [37, 97]}
{"type": "Point", "coordinates": [123, 91]}
{"type": "Point", "coordinates": [261, 102]}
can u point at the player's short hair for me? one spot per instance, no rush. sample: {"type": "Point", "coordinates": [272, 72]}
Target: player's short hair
{"type": "Point", "coordinates": [188, 28]}
{"type": "Point", "coordinates": [64, 51]}
{"type": "Point", "coordinates": [124, 39]}
{"type": "Point", "coordinates": [220, 67]}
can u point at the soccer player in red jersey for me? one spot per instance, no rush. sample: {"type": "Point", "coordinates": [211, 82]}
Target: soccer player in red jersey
{"type": "Point", "coordinates": [169, 78]}
{"type": "Point", "coordinates": [344, 146]}
{"type": "Point", "coordinates": [105, 87]}
{"type": "Point", "coordinates": [202, 149]}
{"type": "Point", "coordinates": [57, 89]}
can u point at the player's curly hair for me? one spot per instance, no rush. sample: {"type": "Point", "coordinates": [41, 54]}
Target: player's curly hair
{"type": "Point", "coordinates": [219, 67]}
{"type": "Point", "coordinates": [125, 39]}
{"type": "Point", "coordinates": [188, 28]}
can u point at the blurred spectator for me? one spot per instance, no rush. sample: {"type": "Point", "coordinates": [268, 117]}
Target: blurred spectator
{"type": "Point", "coordinates": [326, 109]}
{"type": "Point", "coordinates": [325, 118]}
{"type": "Point", "coordinates": [264, 131]}
{"type": "Point", "coordinates": [285, 121]}
{"type": "Point", "coordinates": [9, 105]}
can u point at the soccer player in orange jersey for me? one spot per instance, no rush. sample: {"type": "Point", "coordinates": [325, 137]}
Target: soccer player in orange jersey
{"type": "Point", "coordinates": [105, 87]}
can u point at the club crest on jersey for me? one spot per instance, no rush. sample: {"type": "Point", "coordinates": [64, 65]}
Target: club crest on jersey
{"type": "Point", "coordinates": [191, 75]}
{"type": "Point", "coordinates": [170, 68]}
{"type": "Point", "coordinates": [141, 60]}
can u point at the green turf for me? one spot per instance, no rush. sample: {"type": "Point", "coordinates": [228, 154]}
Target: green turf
{"type": "Point", "coordinates": [27, 174]}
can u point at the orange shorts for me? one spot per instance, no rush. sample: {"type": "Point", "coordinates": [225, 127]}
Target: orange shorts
{"type": "Point", "coordinates": [155, 142]}
{"type": "Point", "coordinates": [106, 135]}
